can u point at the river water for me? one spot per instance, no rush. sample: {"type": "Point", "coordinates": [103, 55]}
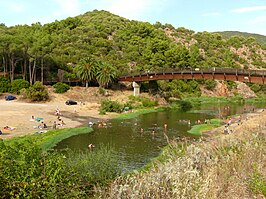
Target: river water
{"type": "Point", "coordinates": [137, 147]}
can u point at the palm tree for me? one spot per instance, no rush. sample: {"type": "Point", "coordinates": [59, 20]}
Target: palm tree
{"type": "Point", "coordinates": [105, 74]}
{"type": "Point", "coordinates": [85, 70]}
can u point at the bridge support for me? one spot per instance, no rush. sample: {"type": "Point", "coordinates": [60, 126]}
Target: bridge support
{"type": "Point", "coordinates": [136, 87]}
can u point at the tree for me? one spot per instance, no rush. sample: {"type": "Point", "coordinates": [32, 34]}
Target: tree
{"type": "Point", "coordinates": [85, 70]}
{"type": "Point", "coordinates": [105, 74]}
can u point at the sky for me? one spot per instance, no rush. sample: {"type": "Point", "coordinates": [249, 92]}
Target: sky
{"type": "Point", "coordinates": [197, 15]}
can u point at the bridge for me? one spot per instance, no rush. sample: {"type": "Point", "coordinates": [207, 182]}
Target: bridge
{"type": "Point", "coordinates": [242, 75]}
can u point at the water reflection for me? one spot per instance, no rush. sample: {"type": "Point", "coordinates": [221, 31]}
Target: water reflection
{"type": "Point", "coordinates": [139, 140]}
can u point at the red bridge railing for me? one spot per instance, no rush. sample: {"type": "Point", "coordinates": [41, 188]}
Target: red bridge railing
{"type": "Point", "coordinates": [253, 76]}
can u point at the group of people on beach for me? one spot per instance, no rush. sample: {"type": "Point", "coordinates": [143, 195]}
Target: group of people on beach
{"type": "Point", "coordinates": [58, 122]}
{"type": "Point", "coordinates": [42, 124]}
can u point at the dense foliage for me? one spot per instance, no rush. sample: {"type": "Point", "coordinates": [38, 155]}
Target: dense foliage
{"type": "Point", "coordinates": [61, 87]}
{"type": "Point", "coordinates": [134, 102]}
{"type": "Point", "coordinates": [36, 92]}
{"type": "Point", "coordinates": [259, 38]}
{"type": "Point", "coordinates": [27, 172]}
{"type": "Point", "coordinates": [117, 46]}
{"type": "Point", "coordinates": [19, 84]}
{"type": "Point", "coordinates": [4, 85]}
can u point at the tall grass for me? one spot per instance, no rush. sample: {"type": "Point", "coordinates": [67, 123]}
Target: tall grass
{"type": "Point", "coordinates": [27, 172]}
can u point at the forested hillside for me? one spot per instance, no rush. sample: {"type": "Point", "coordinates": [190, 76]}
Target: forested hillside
{"type": "Point", "coordinates": [36, 52]}
{"type": "Point", "coordinates": [259, 38]}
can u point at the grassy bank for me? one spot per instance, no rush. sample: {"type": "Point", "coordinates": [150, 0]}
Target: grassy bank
{"type": "Point", "coordinates": [137, 113]}
{"type": "Point", "coordinates": [49, 139]}
{"type": "Point", "coordinates": [200, 128]}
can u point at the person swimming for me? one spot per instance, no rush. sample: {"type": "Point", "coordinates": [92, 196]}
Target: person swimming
{"type": "Point", "coordinates": [91, 146]}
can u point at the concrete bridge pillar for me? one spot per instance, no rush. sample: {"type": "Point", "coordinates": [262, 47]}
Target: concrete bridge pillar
{"type": "Point", "coordinates": [136, 87]}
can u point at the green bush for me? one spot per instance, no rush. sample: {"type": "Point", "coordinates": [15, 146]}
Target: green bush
{"type": "Point", "coordinates": [110, 106]}
{"type": "Point", "coordinates": [37, 92]}
{"type": "Point", "coordinates": [181, 105]}
{"type": "Point", "coordinates": [146, 102]}
{"type": "Point", "coordinates": [61, 87]}
{"type": "Point", "coordinates": [137, 101]}
{"type": "Point", "coordinates": [230, 84]}
{"type": "Point", "coordinates": [255, 87]}
{"type": "Point", "coordinates": [210, 84]}
{"type": "Point", "coordinates": [4, 85]}
{"type": "Point", "coordinates": [19, 84]}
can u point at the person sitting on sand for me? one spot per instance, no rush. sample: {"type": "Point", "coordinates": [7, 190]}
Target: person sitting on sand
{"type": "Point", "coordinates": [57, 112]}
{"type": "Point", "coordinates": [61, 123]}
{"type": "Point", "coordinates": [32, 118]}
{"type": "Point", "coordinates": [41, 126]}
{"type": "Point", "coordinates": [59, 118]}
{"type": "Point", "coordinates": [6, 127]}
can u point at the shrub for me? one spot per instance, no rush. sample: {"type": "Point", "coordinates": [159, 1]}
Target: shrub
{"type": "Point", "coordinates": [37, 92]}
{"type": "Point", "coordinates": [110, 106]}
{"type": "Point", "coordinates": [4, 85]}
{"type": "Point", "coordinates": [19, 84]}
{"type": "Point", "coordinates": [146, 102]}
{"type": "Point", "coordinates": [210, 84]}
{"type": "Point", "coordinates": [230, 84]}
{"type": "Point", "coordinates": [255, 87]}
{"type": "Point", "coordinates": [61, 87]}
{"type": "Point", "coordinates": [181, 105]}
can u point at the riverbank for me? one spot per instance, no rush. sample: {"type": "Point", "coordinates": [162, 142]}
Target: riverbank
{"type": "Point", "coordinates": [222, 166]}
{"type": "Point", "coordinates": [240, 123]}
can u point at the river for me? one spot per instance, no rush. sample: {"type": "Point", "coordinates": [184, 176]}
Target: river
{"type": "Point", "coordinates": [139, 140]}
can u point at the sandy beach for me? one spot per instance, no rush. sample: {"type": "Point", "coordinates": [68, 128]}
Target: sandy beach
{"type": "Point", "coordinates": [17, 113]}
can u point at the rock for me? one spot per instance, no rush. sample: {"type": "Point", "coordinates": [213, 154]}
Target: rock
{"type": "Point", "coordinates": [221, 89]}
{"type": "Point", "coordinates": [245, 91]}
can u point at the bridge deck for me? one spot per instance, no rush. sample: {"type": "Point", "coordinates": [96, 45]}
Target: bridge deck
{"type": "Point", "coordinates": [252, 76]}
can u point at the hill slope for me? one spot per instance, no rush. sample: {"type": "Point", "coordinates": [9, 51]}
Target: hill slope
{"type": "Point", "coordinates": [259, 38]}
{"type": "Point", "coordinates": [37, 52]}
